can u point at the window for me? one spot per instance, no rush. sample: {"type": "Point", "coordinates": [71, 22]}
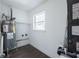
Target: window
{"type": "Point", "coordinates": [39, 21]}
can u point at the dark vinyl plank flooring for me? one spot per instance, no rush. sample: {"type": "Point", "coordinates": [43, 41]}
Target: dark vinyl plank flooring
{"type": "Point", "coordinates": [27, 52]}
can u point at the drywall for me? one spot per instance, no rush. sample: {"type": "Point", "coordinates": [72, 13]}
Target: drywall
{"type": "Point", "coordinates": [56, 16]}
{"type": "Point", "coordinates": [22, 29]}
{"type": "Point", "coordinates": [22, 26]}
{"type": "Point", "coordinates": [21, 16]}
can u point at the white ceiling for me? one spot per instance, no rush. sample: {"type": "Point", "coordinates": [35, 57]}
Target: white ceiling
{"type": "Point", "coordinates": [23, 4]}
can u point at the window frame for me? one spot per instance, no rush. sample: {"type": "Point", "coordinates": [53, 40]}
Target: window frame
{"type": "Point", "coordinates": [44, 21]}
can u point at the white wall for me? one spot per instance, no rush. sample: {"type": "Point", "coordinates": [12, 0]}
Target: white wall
{"type": "Point", "coordinates": [22, 26]}
{"type": "Point", "coordinates": [21, 16]}
{"type": "Point", "coordinates": [56, 16]}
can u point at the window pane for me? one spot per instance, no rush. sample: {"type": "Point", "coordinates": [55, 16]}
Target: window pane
{"type": "Point", "coordinates": [40, 26]}
{"type": "Point", "coordinates": [40, 17]}
{"type": "Point", "coordinates": [39, 21]}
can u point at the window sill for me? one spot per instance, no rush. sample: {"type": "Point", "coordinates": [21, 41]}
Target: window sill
{"type": "Point", "coordinates": [40, 30]}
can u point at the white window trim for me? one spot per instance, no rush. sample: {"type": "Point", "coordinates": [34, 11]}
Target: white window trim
{"type": "Point", "coordinates": [34, 29]}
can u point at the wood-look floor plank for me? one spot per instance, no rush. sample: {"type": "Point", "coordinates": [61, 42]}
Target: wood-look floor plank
{"type": "Point", "coordinates": [27, 52]}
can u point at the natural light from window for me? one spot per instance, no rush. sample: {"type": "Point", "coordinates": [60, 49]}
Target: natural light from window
{"type": "Point", "coordinates": [39, 21]}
